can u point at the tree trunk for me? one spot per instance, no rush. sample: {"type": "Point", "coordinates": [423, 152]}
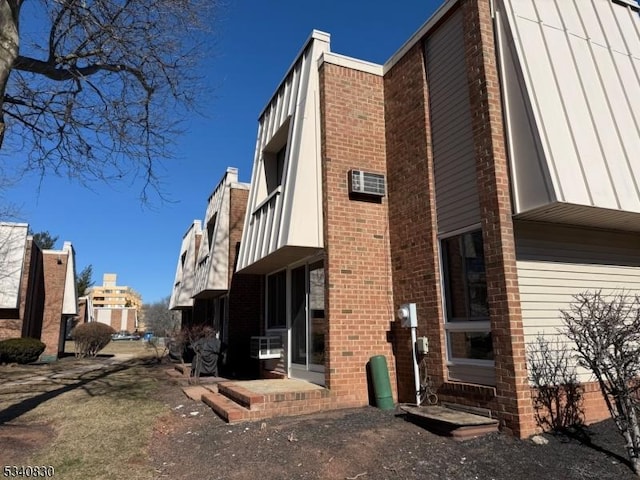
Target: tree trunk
{"type": "Point", "coordinates": [9, 46]}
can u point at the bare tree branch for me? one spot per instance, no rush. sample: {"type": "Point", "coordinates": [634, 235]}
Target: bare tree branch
{"type": "Point", "coordinates": [606, 333]}
{"type": "Point", "coordinates": [100, 92]}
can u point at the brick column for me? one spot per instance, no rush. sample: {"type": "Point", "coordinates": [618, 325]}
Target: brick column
{"type": "Point", "coordinates": [513, 393]}
{"type": "Point", "coordinates": [55, 269]}
{"type": "Point", "coordinates": [358, 302]}
{"type": "Point", "coordinates": [412, 215]}
{"type": "Point", "coordinates": [246, 295]}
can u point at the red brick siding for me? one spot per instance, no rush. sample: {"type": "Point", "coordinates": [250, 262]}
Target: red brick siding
{"type": "Point", "coordinates": [26, 321]}
{"type": "Point", "coordinates": [358, 301]}
{"type": "Point", "coordinates": [245, 298]}
{"type": "Point", "coordinates": [412, 216]}
{"type": "Point", "coordinates": [55, 268]}
{"type": "Point", "coordinates": [512, 389]}
{"type": "Point", "coordinates": [591, 408]}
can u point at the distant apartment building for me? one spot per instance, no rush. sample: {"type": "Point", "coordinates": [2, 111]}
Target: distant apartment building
{"type": "Point", "coordinates": [37, 289]}
{"type": "Point", "coordinates": [112, 295]}
{"type": "Point", "coordinates": [115, 305]}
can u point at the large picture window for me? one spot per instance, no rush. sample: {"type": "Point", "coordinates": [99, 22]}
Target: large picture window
{"type": "Point", "coordinates": [465, 290]}
{"type": "Point", "coordinates": [277, 300]}
{"type": "Point", "coordinates": [465, 278]}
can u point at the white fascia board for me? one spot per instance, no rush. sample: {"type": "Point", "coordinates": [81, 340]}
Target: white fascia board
{"type": "Point", "coordinates": [240, 185]}
{"type": "Point", "coordinates": [628, 3]}
{"type": "Point", "coordinates": [350, 62]}
{"type": "Point", "coordinates": [416, 37]}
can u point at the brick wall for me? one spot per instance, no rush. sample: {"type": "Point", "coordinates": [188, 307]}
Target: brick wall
{"type": "Point", "coordinates": [54, 270]}
{"type": "Point", "coordinates": [590, 408]}
{"type": "Point", "coordinates": [245, 298]}
{"type": "Point", "coordinates": [114, 317]}
{"type": "Point", "coordinates": [412, 216]}
{"type": "Point", "coordinates": [358, 304]}
{"type": "Point", "coordinates": [26, 321]}
{"type": "Point", "coordinates": [512, 389]}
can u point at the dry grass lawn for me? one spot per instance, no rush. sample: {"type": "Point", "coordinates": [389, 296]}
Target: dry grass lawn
{"type": "Point", "coordinates": [88, 418]}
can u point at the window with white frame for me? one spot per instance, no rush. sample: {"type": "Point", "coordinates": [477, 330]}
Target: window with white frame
{"type": "Point", "coordinates": [277, 300]}
{"type": "Point", "coordinates": [465, 291]}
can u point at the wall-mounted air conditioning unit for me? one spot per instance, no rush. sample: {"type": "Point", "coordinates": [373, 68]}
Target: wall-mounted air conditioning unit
{"type": "Point", "coordinates": [264, 348]}
{"type": "Point", "coordinates": [366, 183]}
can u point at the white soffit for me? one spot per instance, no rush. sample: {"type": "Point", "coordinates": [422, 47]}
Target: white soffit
{"type": "Point", "coordinates": [13, 237]}
{"type": "Point", "coordinates": [580, 62]}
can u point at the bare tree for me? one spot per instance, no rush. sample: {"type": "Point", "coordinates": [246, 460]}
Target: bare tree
{"type": "Point", "coordinates": [606, 333]}
{"type": "Point", "coordinates": [95, 89]}
{"type": "Point", "coordinates": [558, 395]}
{"type": "Point", "coordinates": [159, 319]}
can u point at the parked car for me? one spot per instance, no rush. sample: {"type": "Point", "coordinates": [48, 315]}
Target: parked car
{"type": "Point", "coordinates": [124, 335]}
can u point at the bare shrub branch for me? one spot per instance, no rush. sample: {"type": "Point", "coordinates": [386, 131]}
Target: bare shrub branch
{"type": "Point", "coordinates": [606, 333]}
{"type": "Point", "coordinates": [558, 396]}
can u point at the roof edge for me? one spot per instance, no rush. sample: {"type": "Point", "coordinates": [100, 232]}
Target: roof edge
{"type": "Point", "coordinates": [422, 31]}
{"type": "Point", "coordinates": [350, 62]}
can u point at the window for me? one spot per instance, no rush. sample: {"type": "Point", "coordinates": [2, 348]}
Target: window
{"type": "Point", "coordinates": [274, 168]}
{"type": "Point", "coordinates": [465, 278]}
{"type": "Point", "coordinates": [274, 157]}
{"type": "Point", "coordinates": [211, 225]}
{"type": "Point", "coordinates": [465, 290]}
{"type": "Point", "coordinates": [277, 300]}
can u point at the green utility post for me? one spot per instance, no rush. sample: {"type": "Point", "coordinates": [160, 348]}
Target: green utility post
{"type": "Point", "coordinates": [381, 383]}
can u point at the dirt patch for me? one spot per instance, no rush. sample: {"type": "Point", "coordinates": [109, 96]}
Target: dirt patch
{"type": "Point", "coordinates": [18, 441]}
{"type": "Point", "coordinates": [366, 444]}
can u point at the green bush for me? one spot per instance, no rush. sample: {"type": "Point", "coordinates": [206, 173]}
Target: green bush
{"type": "Point", "coordinates": [90, 338]}
{"type": "Point", "coordinates": [20, 350]}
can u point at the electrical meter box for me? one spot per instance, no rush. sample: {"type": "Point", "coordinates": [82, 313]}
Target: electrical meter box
{"type": "Point", "coordinates": [422, 345]}
{"type": "Point", "coordinates": [407, 315]}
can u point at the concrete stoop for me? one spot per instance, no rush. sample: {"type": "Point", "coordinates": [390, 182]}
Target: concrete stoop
{"type": "Point", "coordinates": [236, 402]}
{"type": "Point", "coordinates": [460, 425]}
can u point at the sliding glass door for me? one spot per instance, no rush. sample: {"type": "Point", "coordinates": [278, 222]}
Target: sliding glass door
{"type": "Point", "coordinates": [308, 323]}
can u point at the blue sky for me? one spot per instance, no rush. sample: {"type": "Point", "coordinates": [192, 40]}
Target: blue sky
{"type": "Point", "coordinates": [254, 44]}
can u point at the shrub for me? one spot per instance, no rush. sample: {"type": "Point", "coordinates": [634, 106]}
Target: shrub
{"type": "Point", "coordinates": [90, 338]}
{"type": "Point", "coordinates": [606, 333]}
{"type": "Point", "coordinates": [21, 350]}
{"type": "Point", "coordinates": [558, 396]}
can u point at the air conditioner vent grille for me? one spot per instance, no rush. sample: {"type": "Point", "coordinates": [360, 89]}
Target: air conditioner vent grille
{"type": "Point", "coordinates": [366, 183]}
{"type": "Point", "coordinates": [266, 347]}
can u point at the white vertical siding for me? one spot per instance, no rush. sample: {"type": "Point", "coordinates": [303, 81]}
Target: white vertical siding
{"type": "Point", "coordinates": [212, 263]}
{"type": "Point", "coordinates": [70, 296]}
{"type": "Point", "coordinates": [290, 215]}
{"type": "Point", "coordinates": [576, 66]}
{"type": "Point", "coordinates": [457, 204]}
{"type": "Point", "coordinates": [13, 238]}
{"type": "Point", "coordinates": [184, 283]}
{"type": "Point", "coordinates": [103, 315]}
